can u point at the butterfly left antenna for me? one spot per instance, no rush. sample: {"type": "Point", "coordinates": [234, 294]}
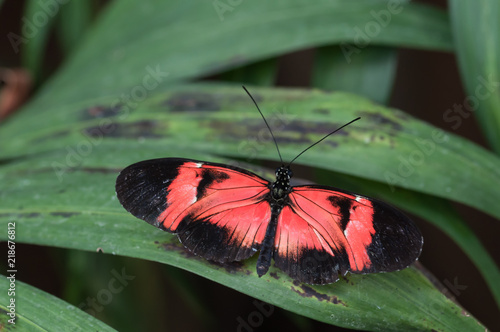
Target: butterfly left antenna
{"type": "Point", "coordinates": [274, 139]}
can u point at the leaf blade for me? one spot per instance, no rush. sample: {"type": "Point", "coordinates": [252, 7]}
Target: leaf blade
{"type": "Point", "coordinates": [475, 31]}
{"type": "Point", "coordinates": [80, 209]}
{"type": "Point", "coordinates": [39, 311]}
{"type": "Point", "coordinates": [227, 44]}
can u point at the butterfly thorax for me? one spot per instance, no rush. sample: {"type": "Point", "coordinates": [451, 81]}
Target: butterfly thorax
{"type": "Point", "coordinates": [281, 187]}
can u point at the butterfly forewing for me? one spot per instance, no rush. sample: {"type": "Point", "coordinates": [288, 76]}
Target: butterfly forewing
{"type": "Point", "coordinates": [217, 211]}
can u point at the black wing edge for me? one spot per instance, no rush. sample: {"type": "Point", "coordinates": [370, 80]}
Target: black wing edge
{"type": "Point", "coordinates": [142, 187]}
{"type": "Point", "coordinates": [397, 242]}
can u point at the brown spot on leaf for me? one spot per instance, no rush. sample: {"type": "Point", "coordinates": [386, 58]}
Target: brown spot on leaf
{"type": "Point", "coordinates": [192, 102]}
{"type": "Point", "coordinates": [308, 291]}
{"type": "Point", "coordinates": [312, 292]}
{"type": "Point", "coordinates": [244, 98]}
{"type": "Point", "coordinates": [99, 112]}
{"type": "Point", "coordinates": [380, 119]}
{"type": "Point", "coordinates": [274, 275]}
{"type": "Point", "coordinates": [323, 111]}
{"type": "Point", "coordinates": [145, 128]}
{"type": "Point", "coordinates": [231, 267]}
{"type": "Point", "coordinates": [320, 129]}
{"type": "Point", "coordinates": [254, 133]}
{"type": "Point", "coordinates": [64, 214]}
{"type": "Point", "coordinates": [336, 300]}
{"type": "Point", "coordinates": [177, 246]}
{"type": "Point", "coordinates": [4, 324]}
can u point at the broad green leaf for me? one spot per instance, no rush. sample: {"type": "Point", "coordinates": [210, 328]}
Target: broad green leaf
{"type": "Point", "coordinates": [38, 311]}
{"type": "Point", "coordinates": [82, 212]}
{"type": "Point", "coordinates": [74, 21]}
{"type": "Point", "coordinates": [476, 33]}
{"type": "Point", "coordinates": [386, 145]}
{"type": "Point", "coordinates": [262, 73]}
{"type": "Point", "coordinates": [86, 277]}
{"type": "Point", "coordinates": [59, 158]}
{"type": "Point", "coordinates": [37, 24]}
{"type": "Point", "coordinates": [369, 73]}
{"type": "Point", "coordinates": [170, 36]}
{"type": "Point", "coordinates": [66, 178]}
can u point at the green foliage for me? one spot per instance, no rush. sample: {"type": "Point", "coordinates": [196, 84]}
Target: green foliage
{"type": "Point", "coordinates": [125, 94]}
{"type": "Point", "coordinates": [476, 34]}
{"type": "Point", "coordinates": [39, 311]}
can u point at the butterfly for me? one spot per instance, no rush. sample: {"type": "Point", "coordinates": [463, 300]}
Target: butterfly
{"type": "Point", "coordinates": [224, 213]}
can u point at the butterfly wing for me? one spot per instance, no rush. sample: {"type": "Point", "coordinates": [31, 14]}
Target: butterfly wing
{"type": "Point", "coordinates": [324, 231]}
{"type": "Point", "coordinates": [218, 211]}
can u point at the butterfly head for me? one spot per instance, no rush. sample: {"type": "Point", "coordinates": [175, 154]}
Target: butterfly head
{"type": "Point", "coordinates": [281, 187]}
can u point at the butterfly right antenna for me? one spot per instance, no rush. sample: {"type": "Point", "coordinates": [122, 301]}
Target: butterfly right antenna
{"type": "Point", "coordinates": [323, 139]}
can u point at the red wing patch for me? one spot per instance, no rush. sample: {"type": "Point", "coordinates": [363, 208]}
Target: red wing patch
{"type": "Point", "coordinates": [217, 211]}
{"type": "Point", "coordinates": [323, 230]}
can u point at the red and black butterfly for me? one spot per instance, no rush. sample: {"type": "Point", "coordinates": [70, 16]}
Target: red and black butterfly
{"type": "Point", "coordinates": [225, 213]}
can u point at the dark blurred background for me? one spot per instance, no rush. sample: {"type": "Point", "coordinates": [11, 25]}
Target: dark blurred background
{"type": "Point", "coordinates": [427, 84]}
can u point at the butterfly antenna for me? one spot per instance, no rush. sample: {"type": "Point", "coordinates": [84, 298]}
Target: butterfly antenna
{"type": "Point", "coordinates": [324, 138]}
{"type": "Point", "coordinates": [274, 139]}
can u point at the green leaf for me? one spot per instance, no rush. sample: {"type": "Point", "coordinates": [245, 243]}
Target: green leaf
{"type": "Point", "coordinates": [38, 311]}
{"type": "Point", "coordinates": [262, 73]}
{"type": "Point", "coordinates": [60, 156]}
{"type": "Point", "coordinates": [171, 35]}
{"type": "Point", "coordinates": [37, 24]}
{"type": "Point", "coordinates": [369, 73]}
{"type": "Point", "coordinates": [63, 187]}
{"type": "Point", "coordinates": [74, 21]}
{"type": "Point", "coordinates": [83, 213]}
{"type": "Point", "coordinates": [386, 145]}
{"type": "Point", "coordinates": [476, 32]}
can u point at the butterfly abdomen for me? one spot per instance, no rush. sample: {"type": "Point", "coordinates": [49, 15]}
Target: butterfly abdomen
{"type": "Point", "coordinates": [267, 248]}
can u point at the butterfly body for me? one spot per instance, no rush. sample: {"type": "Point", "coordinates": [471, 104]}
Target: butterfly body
{"type": "Point", "coordinates": [225, 213]}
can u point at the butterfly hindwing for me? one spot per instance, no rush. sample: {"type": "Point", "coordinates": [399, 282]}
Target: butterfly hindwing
{"type": "Point", "coordinates": [218, 211]}
{"type": "Point", "coordinates": [324, 231]}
